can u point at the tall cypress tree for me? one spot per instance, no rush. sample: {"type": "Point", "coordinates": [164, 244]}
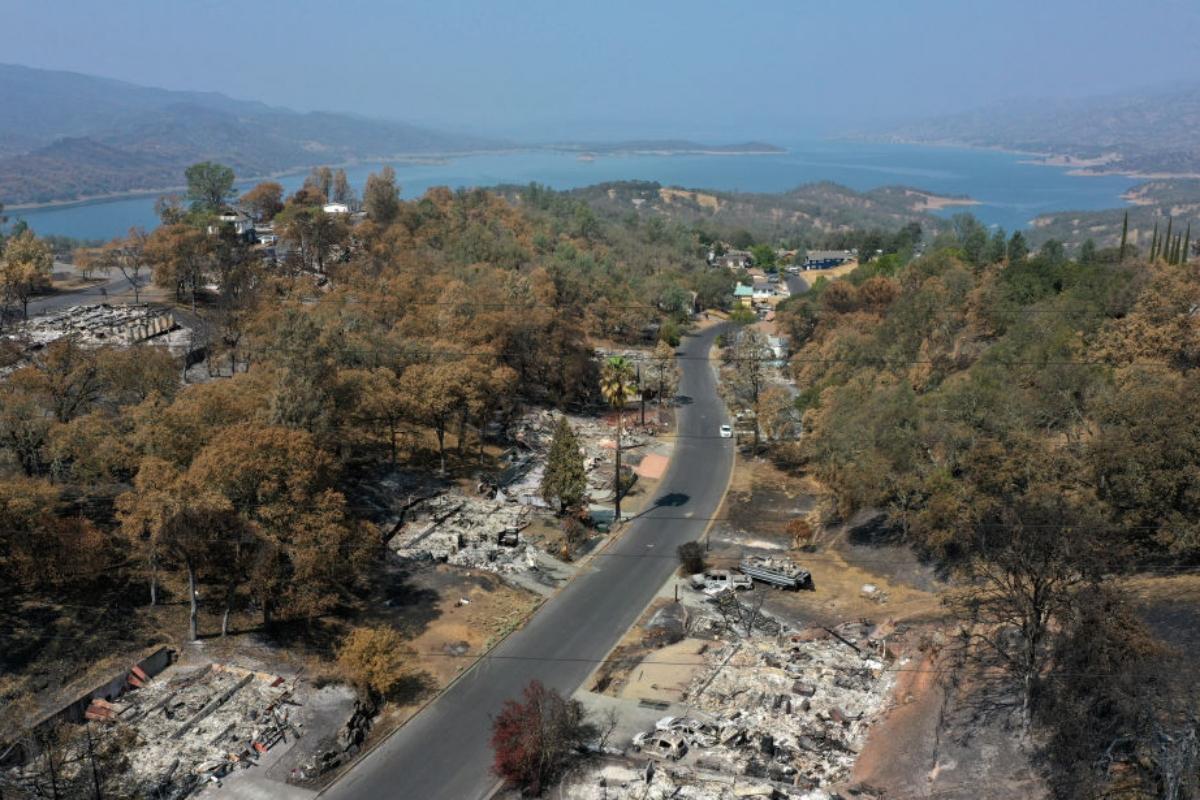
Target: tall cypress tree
{"type": "Point", "coordinates": [1166, 249]}
{"type": "Point", "coordinates": [1124, 236]}
{"type": "Point", "coordinates": [1154, 242]}
{"type": "Point", "coordinates": [564, 480]}
{"type": "Point", "coordinates": [1187, 242]}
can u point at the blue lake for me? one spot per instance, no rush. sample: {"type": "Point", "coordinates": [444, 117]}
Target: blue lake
{"type": "Point", "coordinates": [1011, 193]}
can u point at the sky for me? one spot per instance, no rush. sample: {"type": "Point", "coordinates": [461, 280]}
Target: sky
{"type": "Point", "coordinates": [540, 70]}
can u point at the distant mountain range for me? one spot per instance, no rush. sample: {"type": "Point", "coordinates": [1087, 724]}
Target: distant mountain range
{"type": "Point", "coordinates": [66, 136]}
{"type": "Point", "coordinates": [1152, 132]}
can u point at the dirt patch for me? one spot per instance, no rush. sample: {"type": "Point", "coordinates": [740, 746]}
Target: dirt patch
{"type": "Point", "coordinates": [652, 467]}
{"type": "Point", "coordinates": [699, 198]}
{"type": "Point", "coordinates": [664, 675]}
{"type": "Point", "coordinates": [644, 638]}
{"type": "Point", "coordinates": [448, 634]}
{"type": "Point", "coordinates": [939, 740]}
{"type": "Point", "coordinates": [902, 746]}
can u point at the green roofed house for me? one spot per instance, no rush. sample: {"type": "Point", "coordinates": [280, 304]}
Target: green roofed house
{"type": "Point", "coordinates": [743, 295]}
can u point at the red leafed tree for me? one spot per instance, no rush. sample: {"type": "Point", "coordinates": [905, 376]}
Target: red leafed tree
{"type": "Point", "coordinates": [534, 739]}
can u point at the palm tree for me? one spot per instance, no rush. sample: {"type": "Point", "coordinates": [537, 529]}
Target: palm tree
{"type": "Point", "coordinates": [617, 387]}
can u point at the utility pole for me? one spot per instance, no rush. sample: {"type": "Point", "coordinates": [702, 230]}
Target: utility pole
{"type": "Point", "coordinates": [617, 476]}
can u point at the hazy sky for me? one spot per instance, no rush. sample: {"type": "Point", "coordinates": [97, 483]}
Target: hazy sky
{"type": "Point", "coordinates": [540, 69]}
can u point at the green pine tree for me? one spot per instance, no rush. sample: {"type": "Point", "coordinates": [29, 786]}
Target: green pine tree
{"type": "Point", "coordinates": [1124, 237]}
{"type": "Point", "coordinates": [1018, 248]}
{"type": "Point", "coordinates": [1187, 242]}
{"type": "Point", "coordinates": [565, 479]}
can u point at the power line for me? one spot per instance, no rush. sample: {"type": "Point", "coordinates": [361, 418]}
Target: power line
{"type": "Point", "coordinates": [851, 668]}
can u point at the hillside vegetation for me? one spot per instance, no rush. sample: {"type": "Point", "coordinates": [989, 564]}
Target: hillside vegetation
{"type": "Point", "coordinates": [1154, 203]}
{"type": "Point", "coordinates": [1030, 425]}
{"type": "Point", "coordinates": [810, 214]}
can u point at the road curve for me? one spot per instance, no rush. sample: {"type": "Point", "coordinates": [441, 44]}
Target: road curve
{"type": "Point", "coordinates": [113, 289]}
{"type": "Point", "coordinates": [444, 752]}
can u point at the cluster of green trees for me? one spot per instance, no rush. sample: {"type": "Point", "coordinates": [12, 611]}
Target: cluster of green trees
{"type": "Point", "coordinates": [1030, 420]}
{"type": "Point", "coordinates": [1173, 250]}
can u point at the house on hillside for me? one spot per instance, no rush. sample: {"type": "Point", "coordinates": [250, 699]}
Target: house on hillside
{"type": "Point", "coordinates": [336, 208]}
{"type": "Point", "coordinates": [242, 225]}
{"type": "Point", "coordinates": [733, 259]}
{"type": "Point", "coordinates": [827, 259]}
{"type": "Point", "coordinates": [743, 296]}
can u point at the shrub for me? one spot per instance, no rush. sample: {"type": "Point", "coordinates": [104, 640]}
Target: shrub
{"type": "Point", "coordinates": [574, 532]}
{"type": "Point", "coordinates": [376, 660]}
{"type": "Point", "coordinates": [691, 556]}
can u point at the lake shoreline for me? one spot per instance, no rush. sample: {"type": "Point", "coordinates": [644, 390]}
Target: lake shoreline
{"type": "Point", "coordinates": [1071, 165]}
{"type": "Point", "coordinates": [408, 159]}
{"type": "Point", "coordinates": [134, 194]}
{"type": "Point", "coordinates": [995, 187]}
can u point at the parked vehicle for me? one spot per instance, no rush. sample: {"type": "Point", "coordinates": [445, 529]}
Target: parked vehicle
{"type": "Point", "coordinates": [669, 745]}
{"type": "Point", "coordinates": [726, 432]}
{"type": "Point", "coordinates": [698, 732]}
{"type": "Point", "coordinates": [714, 581]}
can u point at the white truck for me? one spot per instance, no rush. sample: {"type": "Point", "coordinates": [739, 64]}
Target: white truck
{"type": "Point", "coordinates": [715, 581]}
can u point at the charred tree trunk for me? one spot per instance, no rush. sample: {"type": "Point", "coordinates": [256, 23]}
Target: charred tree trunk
{"type": "Point", "coordinates": [441, 437]}
{"type": "Point", "coordinates": [153, 580]}
{"type": "Point", "coordinates": [193, 610]}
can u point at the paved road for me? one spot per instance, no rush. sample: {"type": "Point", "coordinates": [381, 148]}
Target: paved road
{"type": "Point", "coordinates": [444, 751]}
{"type": "Point", "coordinates": [115, 285]}
{"type": "Point", "coordinates": [796, 284]}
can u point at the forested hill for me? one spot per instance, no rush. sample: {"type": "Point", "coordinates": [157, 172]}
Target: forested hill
{"type": "Point", "coordinates": [961, 396]}
{"type": "Point", "coordinates": [64, 136]}
{"type": "Point", "coordinates": [1154, 205]}
{"type": "Point", "coordinates": [1144, 132]}
{"type": "Point", "coordinates": [1032, 422]}
{"type": "Point", "coordinates": [809, 212]}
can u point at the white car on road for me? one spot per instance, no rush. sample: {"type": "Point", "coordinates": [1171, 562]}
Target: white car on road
{"type": "Point", "coordinates": [726, 432]}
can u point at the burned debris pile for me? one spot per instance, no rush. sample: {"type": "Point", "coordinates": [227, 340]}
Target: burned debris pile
{"type": "Point", "coordinates": [205, 724]}
{"type": "Point", "coordinates": [465, 531]}
{"type": "Point", "coordinates": [95, 325]}
{"type": "Point", "coordinates": [178, 734]}
{"type": "Point", "coordinates": [793, 708]}
{"type": "Point", "coordinates": [787, 708]}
